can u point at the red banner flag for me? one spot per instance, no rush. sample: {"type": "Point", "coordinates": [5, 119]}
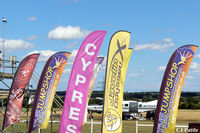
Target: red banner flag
{"type": "Point", "coordinates": [16, 94]}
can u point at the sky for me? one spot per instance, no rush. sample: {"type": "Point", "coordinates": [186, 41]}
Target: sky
{"type": "Point", "coordinates": [157, 29]}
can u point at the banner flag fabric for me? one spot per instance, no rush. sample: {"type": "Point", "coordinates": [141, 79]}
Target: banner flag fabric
{"type": "Point", "coordinates": [16, 94]}
{"type": "Point", "coordinates": [171, 87]}
{"type": "Point", "coordinates": [126, 61]}
{"type": "Point", "coordinates": [92, 82]}
{"type": "Point", "coordinates": [77, 90]}
{"type": "Point", "coordinates": [46, 90]}
{"type": "Point", "coordinates": [94, 75]}
{"type": "Point", "coordinates": [117, 62]}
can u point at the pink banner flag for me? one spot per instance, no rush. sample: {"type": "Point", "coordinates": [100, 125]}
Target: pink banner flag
{"type": "Point", "coordinates": [16, 94]}
{"type": "Point", "coordinates": [77, 90]}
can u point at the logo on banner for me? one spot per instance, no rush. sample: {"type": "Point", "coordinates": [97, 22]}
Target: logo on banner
{"type": "Point", "coordinates": [18, 94]}
{"type": "Point", "coordinates": [24, 74]}
{"type": "Point", "coordinates": [120, 48]}
{"type": "Point", "coordinates": [59, 61]}
{"type": "Point", "coordinates": [185, 54]}
{"type": "Point", "coordinates": [112, 120]}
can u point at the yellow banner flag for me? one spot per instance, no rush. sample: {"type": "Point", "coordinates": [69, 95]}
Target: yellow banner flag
{"type": "Point", "coordinates": [117, 63]}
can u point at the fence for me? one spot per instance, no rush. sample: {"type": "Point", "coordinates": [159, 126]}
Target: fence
{"type": "Point", "coordinates": [151, 125]}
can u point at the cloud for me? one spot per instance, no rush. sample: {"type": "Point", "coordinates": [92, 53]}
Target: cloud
{"type": "Point", "coordinates": [190, 77]}
{"type": "Point", "coordinates": [32, 18]}
{"type": "Point", "coordinates": [161, 68]}
{"type": "Point", "coordinates": [193, 71]}
{"type": "Point", "coordinates": [167, 40]}
{"type": "Point", "coordinates": [198, 56]}
{"type": "Point", "coordinates": [68, 33]}
{"type": "Point", "coordinates": [142, 70]}
{"type": "Point", "coordinates": [67, 70]}
{"type": "Point", "coordinates": [137, 74]}
{"type": "Point", "coordinates": [33, 37]}
{"type": "Point", "coordinates": [157, 45]}
{"type": "Point", "coordinates": [194, 68]}
{"type": "Point", "coordinates": [133, 75]}
{"type": "Point", "coordinates": [194, 65]}
{"type": "Point", "coordinates": [16, 45]}
{"type": "Point", "coordinates": [44, 54]}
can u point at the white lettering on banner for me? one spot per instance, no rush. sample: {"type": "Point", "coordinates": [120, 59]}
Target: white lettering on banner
{"type": "Point", "coordinates": [74, 112]}
{"type": "Point", "coordinates": [78, 79]}
{"type": "Point", "coordinates": [71, 128]}
{"type": "Point", "coordinates": [84, 64]}
{"type": "Point", "coordinates": [77, 95]}
{"type": "Point", "coordinates": [18, 95]}
{"type": "Point", "coordinates": [87, 48]}
{"type": "Point", "coordinates": [182, 130]}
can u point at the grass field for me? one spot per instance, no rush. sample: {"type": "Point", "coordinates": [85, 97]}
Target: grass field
{"type": "Point", "coordinates": [129, 126]}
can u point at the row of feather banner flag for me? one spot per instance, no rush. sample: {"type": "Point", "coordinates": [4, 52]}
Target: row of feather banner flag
{"type": "Point", "coordinates": [81, 83]}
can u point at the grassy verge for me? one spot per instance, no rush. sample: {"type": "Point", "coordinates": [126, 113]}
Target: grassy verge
{"type": "Point", "coordinates": [129, 126]}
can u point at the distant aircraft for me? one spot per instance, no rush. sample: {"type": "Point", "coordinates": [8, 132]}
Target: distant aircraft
{"type": "Point", "coordinates": [130, 109]}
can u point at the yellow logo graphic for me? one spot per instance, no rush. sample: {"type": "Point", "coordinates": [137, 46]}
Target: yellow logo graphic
{"type": "Point", "coordinates": [59, 61]}
{"type": "Point", "coordinates": [112, 120]}
{"type": "Point", "coordinates": [184, 56]}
